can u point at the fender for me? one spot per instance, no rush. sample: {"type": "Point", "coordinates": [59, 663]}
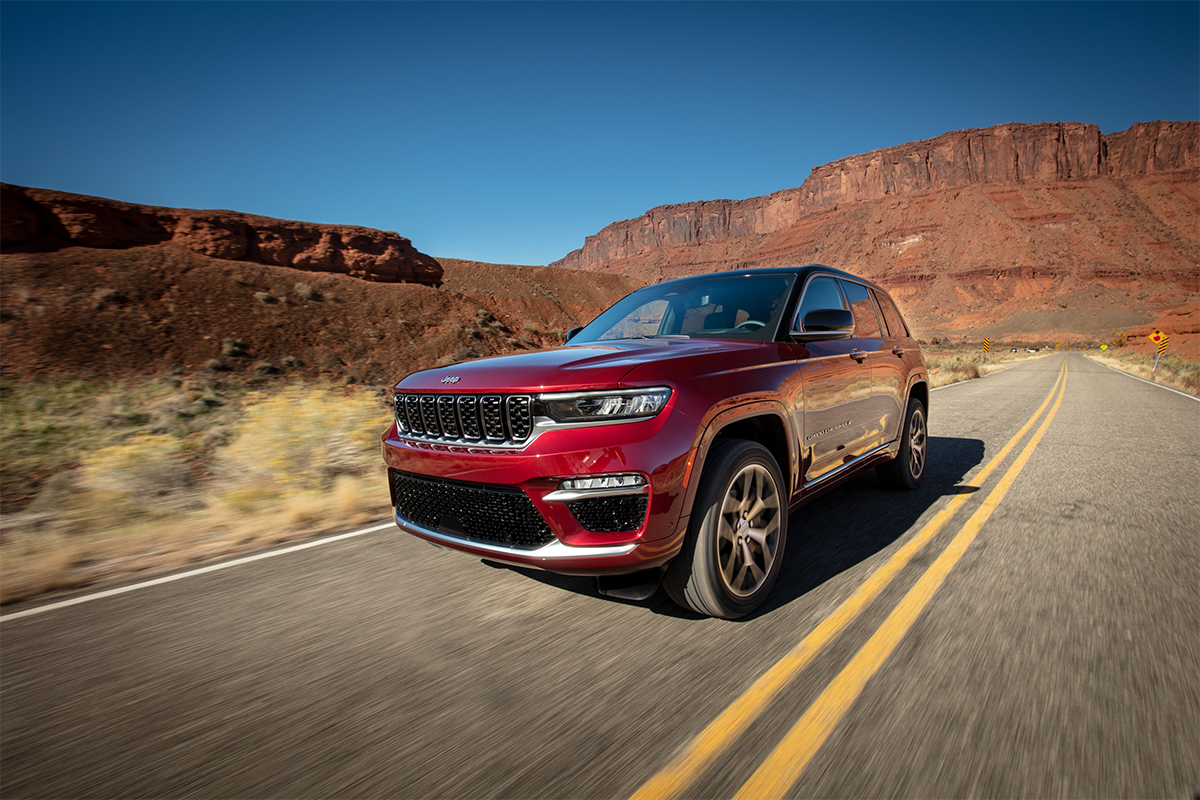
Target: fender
{"type": "Point", "coordinates": [707, 433]}
{"type": "Point", "coordinates": [920, 378]}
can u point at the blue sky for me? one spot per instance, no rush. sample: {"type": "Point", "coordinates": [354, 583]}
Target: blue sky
{"type": "Point", "coordinates": [507, 132]}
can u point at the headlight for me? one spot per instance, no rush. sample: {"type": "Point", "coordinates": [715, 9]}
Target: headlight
{"type": "Point", "coordinates": [623, 404]}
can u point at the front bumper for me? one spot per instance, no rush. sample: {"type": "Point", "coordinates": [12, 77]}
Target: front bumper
{"type": "Point", "coordinates": [508, 506]}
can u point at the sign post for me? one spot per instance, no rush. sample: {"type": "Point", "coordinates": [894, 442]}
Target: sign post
{"type": "Point", "coordinates": [987, 348]}
{"type": "Point", "coordinates": [1161, 339]}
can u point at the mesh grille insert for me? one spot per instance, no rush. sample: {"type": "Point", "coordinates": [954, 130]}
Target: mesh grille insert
{"type": "Point", "coordinates": [624, 512]}
{"type": "Point", "coordinates": [492, 514]}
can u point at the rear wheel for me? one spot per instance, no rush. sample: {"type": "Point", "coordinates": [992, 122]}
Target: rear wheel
{"type": "Point", "coordinates": [734, 546]}
{"type": "Point", "coordinates": [908, 468]}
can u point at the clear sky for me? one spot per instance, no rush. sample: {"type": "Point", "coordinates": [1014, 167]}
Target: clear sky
{"type": "Point", "coordinates": [507, 132]}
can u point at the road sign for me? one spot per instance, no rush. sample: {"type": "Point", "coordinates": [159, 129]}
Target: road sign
{"type": "Point", "coordinates": [1103, 347]}
{"type": "Point", "coordinates": [1162, 340]}
{"type": "Point", "coordinates": [987, 345]}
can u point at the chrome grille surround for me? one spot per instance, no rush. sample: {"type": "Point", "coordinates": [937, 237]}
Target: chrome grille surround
{"type": "Point", "coordinates": [497, 421]}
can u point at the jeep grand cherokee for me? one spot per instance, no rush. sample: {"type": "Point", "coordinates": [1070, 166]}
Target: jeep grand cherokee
{"type": "Point", "coordinates": [667, 440]}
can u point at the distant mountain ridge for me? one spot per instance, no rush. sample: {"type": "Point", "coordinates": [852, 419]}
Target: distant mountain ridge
{"type": "Point", "coordinates": [41, 220]}
{"type": "Point", "coordinates": [104, 289]}
{"type": "Point", "coordinates": [1014, 230]}
{"type": "Point", "coordinates": [1001, 155]}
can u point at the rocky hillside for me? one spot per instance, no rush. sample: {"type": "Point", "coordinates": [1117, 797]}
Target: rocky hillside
{"type": "Point", "coordinates": [97, 288]}
{"type": "Point", "coordinates": [38, 220]}
{"type": "Point", "coordinates": [1050, 231]}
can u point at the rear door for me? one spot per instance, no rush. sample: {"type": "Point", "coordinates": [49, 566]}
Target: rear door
{"type": "Point", "coordinates": [897, 358]}
{"type": "Point", "coordinates": [869, 349]}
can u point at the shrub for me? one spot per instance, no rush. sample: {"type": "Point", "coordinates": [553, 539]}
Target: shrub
{"type": "Point", "coordinates": [102, 296]}
{"type": "Point", "coordinates": [462, 354]}
{"type": "Point", "coordinates": [143, 467]}
{"type": "Point", "coordinates": [302, 439]}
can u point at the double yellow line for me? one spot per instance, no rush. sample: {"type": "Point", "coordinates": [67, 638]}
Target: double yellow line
{"type": "Point", "coordinates": [776, 775]}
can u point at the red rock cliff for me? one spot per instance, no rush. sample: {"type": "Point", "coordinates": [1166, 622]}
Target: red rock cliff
{"type": "Point", "coordinates": [1007, 155]}
{"type": "Point", "coordinates": [39, 220]}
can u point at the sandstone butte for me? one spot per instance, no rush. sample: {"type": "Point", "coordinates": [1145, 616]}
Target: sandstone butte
{"type": "Point", "coordinates": [39, 220]}
{"type": "Point", "coordinates": [1025, 232]}
{"type": "Point", "coordinates": [1051, 231]}
{"type": "Point", "coordinates": [103, 289]}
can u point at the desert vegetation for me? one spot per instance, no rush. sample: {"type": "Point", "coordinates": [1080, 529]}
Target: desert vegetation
{"type": "Point", "coordinates": [964, 363]}
{"type": "Point", "coordinates": [1172, 370]}
{"type": "Point", "coordinates": [104, 479]}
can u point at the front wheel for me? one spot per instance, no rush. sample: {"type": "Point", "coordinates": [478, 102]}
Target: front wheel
{"type": "Point", "coordinates": [908, 468]}
{"type": "Point", "coordinates": [734, 545]}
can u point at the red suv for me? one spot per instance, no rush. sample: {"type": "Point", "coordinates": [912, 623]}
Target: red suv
{"type": "Point", "coordinates": [666, 441]}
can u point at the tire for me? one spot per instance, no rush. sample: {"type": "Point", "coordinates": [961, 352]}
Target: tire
{"type": "Point", "coordinates": [733, 550]}
{"type": "Point", "coordinates": [907, 469]}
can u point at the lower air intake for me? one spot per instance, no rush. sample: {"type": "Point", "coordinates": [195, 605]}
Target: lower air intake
{"type": "Point", "coordinates": [499, 515]}
{"type": "Point", "coordinates": [611, 514]}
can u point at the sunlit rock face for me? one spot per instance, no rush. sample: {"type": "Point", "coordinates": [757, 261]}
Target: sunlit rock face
{"type": "Point", "coordinates": [40, 220]}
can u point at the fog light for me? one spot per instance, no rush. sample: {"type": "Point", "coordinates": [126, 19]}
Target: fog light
{"type": "Point", "coordinates": [603, 482]}
{"type": "Point", "coordinates": [599, 486]}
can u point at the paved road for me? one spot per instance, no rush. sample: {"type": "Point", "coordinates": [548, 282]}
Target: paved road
{"type": "Point", "coordinates": [1031, 632]}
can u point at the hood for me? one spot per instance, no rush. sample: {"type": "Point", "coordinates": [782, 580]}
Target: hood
{"type": "Point", "coordinates": [569, 368]}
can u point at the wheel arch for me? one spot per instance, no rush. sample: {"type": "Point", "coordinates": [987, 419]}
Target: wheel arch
{"type": "Point", "coordinates": [920, 391]}
{"type": "Point", "coordinates": [762, 422]}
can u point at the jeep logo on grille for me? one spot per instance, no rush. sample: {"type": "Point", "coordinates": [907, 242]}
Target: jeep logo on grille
{"type": "Point", "coordinates": [451, 379]}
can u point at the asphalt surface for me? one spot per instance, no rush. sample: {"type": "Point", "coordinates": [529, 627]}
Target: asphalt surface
{"type": "Point", "coordinates": [1058, 657]}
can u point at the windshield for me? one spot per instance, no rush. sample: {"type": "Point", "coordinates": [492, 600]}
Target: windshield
{"type": "Point", "coordinates": [744, 307]}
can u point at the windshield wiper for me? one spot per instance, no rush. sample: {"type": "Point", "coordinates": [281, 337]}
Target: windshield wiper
{"type": "Point", "coordinates": [662, 336]}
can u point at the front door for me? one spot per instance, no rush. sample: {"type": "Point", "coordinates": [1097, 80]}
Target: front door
{"type": "Point", "coordinates": [839, 419]}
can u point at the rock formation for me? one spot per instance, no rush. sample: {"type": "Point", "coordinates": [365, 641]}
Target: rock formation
{"type": "Point", "coordinates": [1028, 232]}
{"type": "Point", "coordinates": [1003, 155]}
{"type": "Point", "coordinates": [40, 220]}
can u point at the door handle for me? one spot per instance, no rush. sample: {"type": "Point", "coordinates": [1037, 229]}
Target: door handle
{"type": "Point", "coordinates": [857, 355]}
{"type": "Point", "coordinates": [897, 351]}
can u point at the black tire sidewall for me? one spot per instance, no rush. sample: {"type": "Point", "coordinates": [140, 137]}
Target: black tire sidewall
{"type": "Point", "coordinates": [903, 475]}
{"type": "Point", "coordinates": [705, 589]}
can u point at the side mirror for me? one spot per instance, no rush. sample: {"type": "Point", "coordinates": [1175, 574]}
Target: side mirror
{"type": "Point", "coordinates": [571, 333]}
{"type": "Point", "coordinates": [826, 323]}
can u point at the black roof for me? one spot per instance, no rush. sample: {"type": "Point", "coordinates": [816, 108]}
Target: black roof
{"type": "Point", "coordinates": [801, 271]}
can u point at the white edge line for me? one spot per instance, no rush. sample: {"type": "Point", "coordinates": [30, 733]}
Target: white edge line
{"type": "Point", "coordinates": [190, 573]}
{"type": "Point", "coordinates": [1143, 380]}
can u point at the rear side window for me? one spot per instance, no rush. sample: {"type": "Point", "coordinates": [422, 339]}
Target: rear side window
{"type": "Point", "coordinates": [866, 323]}
{"type": "Point", "coordinates": [891, 315]}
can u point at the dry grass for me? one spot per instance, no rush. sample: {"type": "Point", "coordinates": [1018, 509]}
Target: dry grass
{"type": "Point", "coordinates": [1173, 371]}
{"type": "Point", "coordinates": [285, 464]}
{"type": "Point", "coordinates": [945, 369]}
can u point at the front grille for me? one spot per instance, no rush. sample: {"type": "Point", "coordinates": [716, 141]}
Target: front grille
{"type": "Point", "coordinates": [492, 419]}
{"type": "Point", "coordinates": [611, 514]}
{"type": "Point", "coordinates": [498, 515]}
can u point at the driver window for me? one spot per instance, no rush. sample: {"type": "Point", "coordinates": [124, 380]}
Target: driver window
{"type": "Point", "coordinates": [821, 292]}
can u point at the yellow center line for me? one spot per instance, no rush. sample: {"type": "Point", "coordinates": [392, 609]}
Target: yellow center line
{"type": "Point", "coordinates": [788, 760]}
{"type": "Point", "coordinates": [674, 779]}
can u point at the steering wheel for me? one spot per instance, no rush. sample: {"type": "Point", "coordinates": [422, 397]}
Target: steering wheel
{"type": "Point", "coordinates": [750, 325]}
